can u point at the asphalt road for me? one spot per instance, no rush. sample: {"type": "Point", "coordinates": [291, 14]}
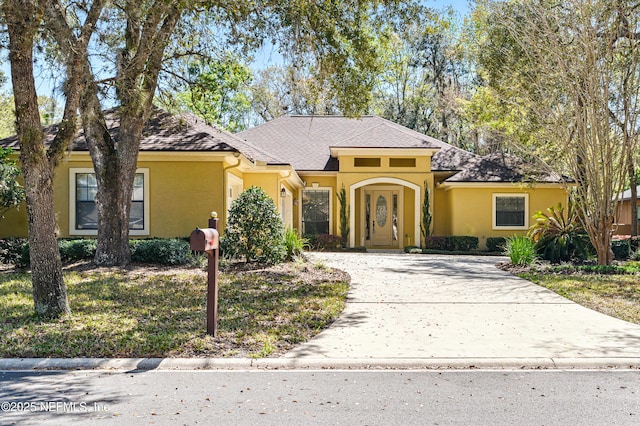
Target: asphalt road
{"type": "Point", "coordinates": [325, 397]}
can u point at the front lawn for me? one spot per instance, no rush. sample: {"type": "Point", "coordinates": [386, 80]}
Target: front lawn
{"type": "Point", "coordinates": [160, 312]}
{"type": "Point", "coordinates": [615, 294]}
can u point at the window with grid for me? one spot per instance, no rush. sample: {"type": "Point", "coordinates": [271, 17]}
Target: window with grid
{"type": "Point", "coordinates": [315, 211]}
{"type": "Point", "coordinates": [86, 211]}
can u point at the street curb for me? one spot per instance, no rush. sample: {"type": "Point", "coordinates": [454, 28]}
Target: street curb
{"type": "Point", "coordinates": [147, 364]}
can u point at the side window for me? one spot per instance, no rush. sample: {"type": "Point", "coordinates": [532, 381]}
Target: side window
{"type": "Point", "coordinates": [83, 209]}
{"type": "Point", "coordinates": [315, 211]}
{"type": "Point", "coordinates": [510, 211]}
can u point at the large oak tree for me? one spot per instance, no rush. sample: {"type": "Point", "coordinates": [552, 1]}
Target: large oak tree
{"type": "Point", "coordinates": [24, 20]}
{"type": "Point", "coordinates": [337, 36]}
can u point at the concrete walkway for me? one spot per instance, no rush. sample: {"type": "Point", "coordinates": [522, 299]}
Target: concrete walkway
{"type": "Point", "coordinates": [462, 311]}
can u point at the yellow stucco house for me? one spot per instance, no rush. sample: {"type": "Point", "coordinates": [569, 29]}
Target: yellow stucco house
{"type": "Point", "coordinates": [186, 169]}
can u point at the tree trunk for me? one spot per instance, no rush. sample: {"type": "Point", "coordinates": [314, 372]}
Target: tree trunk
{"type": "Point", "coordinates": [115, 182]}
{"type": "Point", "coordinates": [49, 292]}
{"type": "Point", "coordinates": [113, 201]}
{"type": "Point", "coordinates": [602, 242]}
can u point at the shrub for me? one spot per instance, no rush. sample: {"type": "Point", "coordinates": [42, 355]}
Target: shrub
{"type": "Point", "coordinates": [452, 243]}
{"type": "Point", "coordinates": [74, 250]}
{"type": "Point", "coordinates": [521, 250]}
{"type": "Point", "coordinates": [436, 243]}
{"type": "Point", "coordinates": [326, 241]}
{"type": "Point", "coordinates": [254, 230]}
{"type": "Point", "coordinates": [427, 218]}
{"type": "Point", "coordinates": [621, 249]}
{"type": "Point", "coordinates": [496, 244]}
{"type": "Point", "coordinates": [345, 210]}
{"type": "Point", "coordinates": [559, 236]}
{"type": "Point", "coordinates": [162, 251]}
{"type": "Point", "coordinates": [14, 251]}
{"type": "Point", "coordinates": [464, 243]}
{"type": "Point", "coordinates": [294, 243]}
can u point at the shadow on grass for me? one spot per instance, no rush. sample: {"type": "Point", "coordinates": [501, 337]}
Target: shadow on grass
{"type": "Point", "coordinates": [163, 314]}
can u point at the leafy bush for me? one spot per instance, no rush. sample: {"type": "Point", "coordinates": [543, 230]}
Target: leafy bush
{"type": "Point", "coordinates": [464, 243]}
{"type": "Point", "coordinates": [452, 243]}
{"type": "Point", "coordinates": [621, 249]}
{"type": "Point", "coordinates": [521, 250]}
{"type": "Point", "coordinates": [294, 243]}
{"type": "Point", "coordinates": [436, 243]}
{"type": "Point", "coordinates": [162, 251]}
{"type": "Point", "coordinates": [496, 244]}
{"type": "Point", "coordinates": [326, 241]}
{"type": "Point", "coordinates": [559, 236]}
{"type": "Point", "coordinates": [254, 230]}
{"type": "Point", "coordinates": [14, 251]}
{"type": "Point", "coordinates": [74, 250]}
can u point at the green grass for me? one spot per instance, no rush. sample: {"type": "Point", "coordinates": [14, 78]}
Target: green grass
{"type": "Point", "coordinates": [151, 313]}
{"type": "Point", "coordinates": [614, 295]}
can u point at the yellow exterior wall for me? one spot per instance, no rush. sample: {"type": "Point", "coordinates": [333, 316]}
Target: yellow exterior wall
{"type": "Point", "coordinates": [471, 211]}
{"type": "Point", "coordinates": [423, 163]}
{"type": "Point", "coordinates": [182, 194]}
{"type": "Point", "coordinates": [408, 232]}
{"type": "Point", "coordinates": [441, 212]}
{"type": "Point", "coordinates": [267, 181]}
{"type": "Point", "coordinates": [184, 189]}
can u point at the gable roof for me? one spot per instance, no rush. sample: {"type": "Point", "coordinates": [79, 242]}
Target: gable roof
{"type": "Point", "coordinates": [305, 141]}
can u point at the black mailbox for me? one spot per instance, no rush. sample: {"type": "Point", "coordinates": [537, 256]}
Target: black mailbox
{"type": "Point", "coordinates": [205, 239]}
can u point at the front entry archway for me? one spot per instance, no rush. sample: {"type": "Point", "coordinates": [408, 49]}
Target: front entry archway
{"type": "Point", "coordinates": [390, 181]}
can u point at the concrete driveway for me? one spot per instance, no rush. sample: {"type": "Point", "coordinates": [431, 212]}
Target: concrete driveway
{"type": "Point", "coordinates": [461, 311]}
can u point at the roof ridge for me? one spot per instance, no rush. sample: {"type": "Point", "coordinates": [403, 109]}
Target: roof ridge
{"type": "Point", "coordinates": [261, 150]}
{"type": "Point", "coordinates": [407, 130]}
{"type": "Point", "coordinates": [368, 129]}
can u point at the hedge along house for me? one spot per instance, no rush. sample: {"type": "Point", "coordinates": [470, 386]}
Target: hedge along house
{"type": "Point", "coordinates": [384, 168]}
{"type": "Point", "coordinates": [186, 169]}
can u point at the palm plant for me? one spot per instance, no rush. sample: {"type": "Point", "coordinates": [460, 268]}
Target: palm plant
{"type": "Point", "coordinates": [559, 235]}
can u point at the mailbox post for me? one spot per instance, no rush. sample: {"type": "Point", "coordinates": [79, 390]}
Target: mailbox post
{"type": "Point", "coordinates": [207, 240]}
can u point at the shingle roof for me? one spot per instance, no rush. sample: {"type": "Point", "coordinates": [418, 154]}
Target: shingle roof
{"type": "Point", "coordinates": [305, 141]}
{"type": "Point", "coordinates": [168, 132]}
{"type": "Point", "coordinates": [502, 167]}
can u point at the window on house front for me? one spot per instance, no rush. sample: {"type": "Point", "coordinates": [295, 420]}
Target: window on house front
{"type": "Point", "coordinates": [84, 212]}
{"type": "Point", "coordinates": [510, 211]}
{"type": "Point", "coordinates": [315, 211]}
{"type": "Point", "coordinates": [366, 162]}
{"type": "Point", "coordinates": [402, 162]}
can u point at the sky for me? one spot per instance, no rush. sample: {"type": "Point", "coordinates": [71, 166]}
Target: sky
{"type": "Point", "coordinates": [267, 56]}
